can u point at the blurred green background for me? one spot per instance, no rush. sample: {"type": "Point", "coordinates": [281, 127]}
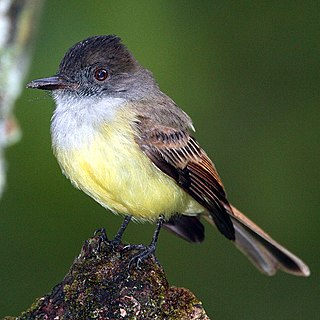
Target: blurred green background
{"type": "Point", "coordinates": [248, 74]}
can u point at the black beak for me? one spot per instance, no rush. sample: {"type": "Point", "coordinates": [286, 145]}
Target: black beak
{"type": "Point", "coordinates": [52, 83]}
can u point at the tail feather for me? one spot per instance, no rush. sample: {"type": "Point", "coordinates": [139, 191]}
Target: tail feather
{"type": "Point", "coordinates": [256, 253]}
{"type": "Point", "coordinates": [263, 251]}
{"type": "Point", "coordinates": [186, 227]}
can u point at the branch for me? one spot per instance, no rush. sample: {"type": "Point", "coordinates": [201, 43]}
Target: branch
{"type": "Point", "coordinates": [17, 24]}
{"type": "Point", "coordinates": [99, 285]}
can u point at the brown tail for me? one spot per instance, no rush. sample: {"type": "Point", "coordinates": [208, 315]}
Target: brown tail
{"type": "Point", "coordinates": [264, 252]}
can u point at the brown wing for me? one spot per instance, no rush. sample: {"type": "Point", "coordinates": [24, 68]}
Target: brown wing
{"type": "Point", "coordinates": [178, 155]}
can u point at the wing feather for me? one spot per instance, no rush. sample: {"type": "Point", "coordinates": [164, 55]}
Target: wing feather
{"type": "Point", "coordinates": [179, 155]}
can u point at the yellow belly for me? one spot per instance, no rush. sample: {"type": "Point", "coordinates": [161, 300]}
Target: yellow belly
{"type": "Point", "coordinates": [112, 169]}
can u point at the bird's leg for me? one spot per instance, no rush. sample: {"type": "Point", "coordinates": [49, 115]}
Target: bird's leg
{"type": "Point", "coordinates": [149, 250]}
{"type": "Point", "coordinates": [118, 237]}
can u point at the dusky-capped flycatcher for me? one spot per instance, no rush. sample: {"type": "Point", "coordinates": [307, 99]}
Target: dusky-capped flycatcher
{"type": "Point", "coordinates": [127, 145]}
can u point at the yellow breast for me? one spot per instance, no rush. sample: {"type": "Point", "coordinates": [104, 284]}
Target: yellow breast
{"type": "Point", "coordinates": [111, 168]}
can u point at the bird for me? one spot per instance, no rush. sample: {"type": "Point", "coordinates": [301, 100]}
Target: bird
{"type": "Point", "coordinates": [131, 148]}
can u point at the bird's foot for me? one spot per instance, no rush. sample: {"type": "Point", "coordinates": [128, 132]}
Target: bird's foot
{"type": "Point", "coordinates": [114, 242]}
{"type": "Point", "coordinates": [145, 252]}
{"type": "Point", "coordinates": [102, 237]}
{"type": "Point", "coordinates": [134, 247]}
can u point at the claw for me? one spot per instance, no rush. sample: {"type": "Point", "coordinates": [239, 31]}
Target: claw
{"type": "Point", "coordinates": [143, 255]}
{"type": "Point", "coordinates": [148, 251]}
{"type": "Point", "coordinates": [134, 247]}
{"type": "Point", "coordinates": [102, 237]}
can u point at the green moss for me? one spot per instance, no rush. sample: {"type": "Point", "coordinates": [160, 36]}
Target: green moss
{"type": "Point", "coordinates": [99, 285]}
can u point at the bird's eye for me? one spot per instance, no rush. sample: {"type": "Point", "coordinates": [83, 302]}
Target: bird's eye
{"type": "Point", "coordinates": [101, 74]}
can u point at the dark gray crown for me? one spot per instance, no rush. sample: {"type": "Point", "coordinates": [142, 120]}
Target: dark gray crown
{"type": "Point", "coordinates": [105, 51]}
